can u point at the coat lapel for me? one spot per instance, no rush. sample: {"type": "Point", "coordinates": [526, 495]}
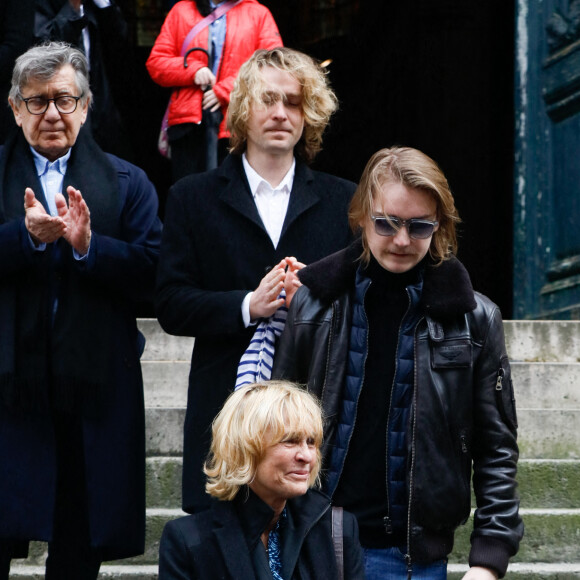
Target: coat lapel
{"type": "Point", "coordinates": [236, 191]}
{"type": "Point", "coordinates": [303, 513]}
{"type": "Point", "coordinates": [303, 196]}
{"type": "Point", "coordinates": [231, 541]}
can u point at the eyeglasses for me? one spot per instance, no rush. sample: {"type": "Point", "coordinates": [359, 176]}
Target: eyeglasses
{"type": "Point", "coordinates": [418, 229]}
{"type": "Point", "coordinates": [65, 105]}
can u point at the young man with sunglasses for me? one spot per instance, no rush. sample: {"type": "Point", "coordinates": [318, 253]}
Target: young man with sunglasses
{"type": "Point", "coordinates": [410, 365]}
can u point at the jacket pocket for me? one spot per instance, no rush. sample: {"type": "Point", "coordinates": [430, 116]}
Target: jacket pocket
{"type": "Point", "coordinates": [449, 354]}
{"type": "Point", "coordinates": [504, 394]}
{"type": "Point", "coordinates": [465, 462]}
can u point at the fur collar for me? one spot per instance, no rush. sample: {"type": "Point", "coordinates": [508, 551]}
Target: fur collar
{"type": "Point", "coordinates": [447, 289]}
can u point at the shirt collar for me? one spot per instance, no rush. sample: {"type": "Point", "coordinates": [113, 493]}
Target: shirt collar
{"type": "Point", "coordinates": [255, 179]}
{"type": "Point", "coordinates": [42, 163]}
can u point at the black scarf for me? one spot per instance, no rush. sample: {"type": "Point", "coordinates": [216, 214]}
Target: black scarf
{"type": "Point", "coordinates": [59, 361]}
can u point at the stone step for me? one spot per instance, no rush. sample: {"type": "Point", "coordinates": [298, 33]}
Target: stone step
{"type": "Point", "coordinates": [455, 572]}
{"type": "Point", "coordinates": [543, 340]}
{"type": "Point", "coordinates": [551, 537]}
{"type": "Point", "coordinates": [156, 520]}
{"type": "Point", "coordinates": [160, 346]}
{"type": "Point", "coordinates": [527, 571]}
{"type": "Point", "coordinates": [108, 572]}
{"type": "Point", "coordinates": [546, 365]}
{"type": "Point", "coordinates": [526, 341]}
{"type": "Point", "coordinates": [549, 483]}
{"type": "Point", "coordinates": [165, 363]}
{"type": "Point", "coordinates": [537, 385]}
{"type": "Point", "coordinates": [165, 383]}
{"type": "Point", "coordinates": [549, 433]}
{"type": "Point", "coordinates": [163, 476]}
{"type": "Point", "coordinates": [543, 483]}
{"type": "Point", "coordinates": [543, 433]}
{"type": "Point", "coordinates": [552, 385]}
{"type": "Point", "coordinates": [164, 430]}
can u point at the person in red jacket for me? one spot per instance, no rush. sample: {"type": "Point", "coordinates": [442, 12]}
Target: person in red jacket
{"type": "Point", "coordinates": [203, 86]}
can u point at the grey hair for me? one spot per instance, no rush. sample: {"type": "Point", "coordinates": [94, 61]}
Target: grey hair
{"type": "Point", "coordinates": [42, 62]}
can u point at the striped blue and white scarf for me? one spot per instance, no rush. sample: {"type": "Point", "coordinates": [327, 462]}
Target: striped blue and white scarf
{"type": "Point", "coordinates": [256, 363]}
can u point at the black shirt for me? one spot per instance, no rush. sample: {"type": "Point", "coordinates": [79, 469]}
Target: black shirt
{"type": "Point", "coordinates": [362, 486]}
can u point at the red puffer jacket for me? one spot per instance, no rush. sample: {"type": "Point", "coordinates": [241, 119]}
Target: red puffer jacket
{"type": "Point", "coordinates": [250, 26]}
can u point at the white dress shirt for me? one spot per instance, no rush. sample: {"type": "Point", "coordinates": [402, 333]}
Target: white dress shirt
{"type": "Point", "coordinates": [272, 205]}
{"type": "Point", "coordinates": [272, 202]}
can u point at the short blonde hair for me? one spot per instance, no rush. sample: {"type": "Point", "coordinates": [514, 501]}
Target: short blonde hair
{"type": "Point", "coordinates": [318, 100]}
{"type": "Point", "coordinates": [414, 170]}
{"type": "Point", "coordinates": [253, 418]}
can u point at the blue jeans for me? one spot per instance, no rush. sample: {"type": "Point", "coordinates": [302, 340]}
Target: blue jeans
{"type": "Point", "coordinates": [389, 564]}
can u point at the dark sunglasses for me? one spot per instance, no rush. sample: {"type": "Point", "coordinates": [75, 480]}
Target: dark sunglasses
{"type": "Point", "coordinates": [418, 229]}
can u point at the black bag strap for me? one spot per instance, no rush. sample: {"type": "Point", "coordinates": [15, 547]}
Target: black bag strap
{"type": "Point", "coordinates": [337, 539]}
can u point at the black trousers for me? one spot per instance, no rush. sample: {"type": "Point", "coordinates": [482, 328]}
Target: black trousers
{"type": "Point", "coordinates": [189, 150]}
{"type": "Point", "coordinates": [70, 555]}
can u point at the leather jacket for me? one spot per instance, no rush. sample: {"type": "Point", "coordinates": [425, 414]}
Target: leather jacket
{"type": "Point", "coordinates": [463, 408]}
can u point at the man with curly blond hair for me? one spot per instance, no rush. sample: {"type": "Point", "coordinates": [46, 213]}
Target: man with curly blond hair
{"type": "Point", "coordinates": [235, 236]}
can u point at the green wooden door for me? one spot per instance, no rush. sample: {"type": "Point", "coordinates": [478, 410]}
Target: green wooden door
{"type": "Point", "coordinates": [547, 163]}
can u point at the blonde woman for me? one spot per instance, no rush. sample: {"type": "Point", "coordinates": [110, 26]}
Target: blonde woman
{"type": "Point", "coordinates": [265, 521]}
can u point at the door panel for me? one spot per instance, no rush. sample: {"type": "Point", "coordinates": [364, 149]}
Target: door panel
{"type": "Point", "coordinates": [547, 195]}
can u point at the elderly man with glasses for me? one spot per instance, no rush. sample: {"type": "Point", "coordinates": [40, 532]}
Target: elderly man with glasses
{"type": "Point", "coordinates": [79, 242]}
{"type": "Point", "coordinates": [411, 367]}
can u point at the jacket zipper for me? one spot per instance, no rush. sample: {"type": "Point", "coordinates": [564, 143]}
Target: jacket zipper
{"type": "Point", "coordinates": [499, 395]}
{"type": "Point", "coordinates": [499, 381]}
{"type": "Point", "coordinates": [387, 520]}
{"type": "Point", "coordinates": [408, 558]}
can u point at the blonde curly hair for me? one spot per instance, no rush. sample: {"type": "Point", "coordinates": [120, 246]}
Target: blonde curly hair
{"type": "Point", "coordinates": [318, 100]}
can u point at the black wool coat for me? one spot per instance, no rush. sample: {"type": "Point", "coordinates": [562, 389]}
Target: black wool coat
{"type": "Point", "coordinates": [215, 250]}
{"type": "Point", "coordinates": [224, 542]}
{"type": "Point", "coordinates": [118, 274]}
